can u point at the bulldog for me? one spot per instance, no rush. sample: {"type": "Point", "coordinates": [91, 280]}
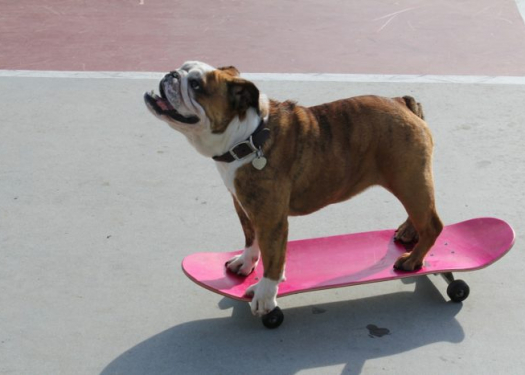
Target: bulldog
{"type": "Point", "coordinates": [280, 159]}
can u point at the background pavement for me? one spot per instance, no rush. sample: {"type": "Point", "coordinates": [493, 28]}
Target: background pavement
{"type": "Point", "coordinates": [279, 36]}
{"type": "Point", "coordinates": [100, 202]}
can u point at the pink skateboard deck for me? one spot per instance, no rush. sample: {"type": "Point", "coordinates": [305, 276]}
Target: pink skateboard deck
{"type": "Point", "coordinates": [352, 259]}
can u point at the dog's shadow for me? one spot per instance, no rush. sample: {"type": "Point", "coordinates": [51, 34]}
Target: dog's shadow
{"type": "Point", "coordinates": [348, 334]}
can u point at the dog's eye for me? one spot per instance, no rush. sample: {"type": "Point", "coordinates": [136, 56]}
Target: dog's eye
{"type": "Point", "coordinates": [194, 84]}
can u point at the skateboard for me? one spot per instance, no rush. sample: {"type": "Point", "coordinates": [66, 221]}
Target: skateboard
{"type": "Point", "coordinates": [359, 258]}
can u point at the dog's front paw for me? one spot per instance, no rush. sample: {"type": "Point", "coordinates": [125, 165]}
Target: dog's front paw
{"type": "Point", "coordinates": [264, 296]}
{"type": "Point", "coordinates": [245, 263]}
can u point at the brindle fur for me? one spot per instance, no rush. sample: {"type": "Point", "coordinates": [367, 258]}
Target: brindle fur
{"type": "Point", "coordinates": [318, 156]}
{"type": "Point", "coordinates": [329, 153]}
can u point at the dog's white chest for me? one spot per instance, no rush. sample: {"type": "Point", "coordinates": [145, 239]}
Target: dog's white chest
{"type": "Point", "coordinates": [227, 172]}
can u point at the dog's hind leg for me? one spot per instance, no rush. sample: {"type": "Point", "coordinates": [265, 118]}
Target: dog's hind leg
{"type": "Point", "coordinates": [428, 227]}
{"type": "Point", "coordinates": [423, 219]}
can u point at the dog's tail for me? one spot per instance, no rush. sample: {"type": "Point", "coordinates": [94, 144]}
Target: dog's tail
{"type": "Point", "coordinates": [414, 106]}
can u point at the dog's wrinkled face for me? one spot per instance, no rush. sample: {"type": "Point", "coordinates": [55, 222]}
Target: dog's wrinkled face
{"type": "Point", "coordinates": [198, 98]}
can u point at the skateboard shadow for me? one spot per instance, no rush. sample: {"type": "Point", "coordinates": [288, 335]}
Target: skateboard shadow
{"type": "Point", "coordinates": [347, 333]}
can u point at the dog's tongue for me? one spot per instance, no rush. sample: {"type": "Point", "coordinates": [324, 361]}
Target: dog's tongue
{"type": "Point", "coordinates": [163, 107]}
{"type": "Point", "coordinates": [160, 102]}
{"type": "Point", "coordinates": [156, 102]}
{"type": "Point", "coordinates": [163, 104]}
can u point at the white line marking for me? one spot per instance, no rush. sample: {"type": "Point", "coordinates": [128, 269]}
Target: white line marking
{"type": "Point", "coordinates": [284, 77]}
{"type": "Point", "coordinates": [521, 7]}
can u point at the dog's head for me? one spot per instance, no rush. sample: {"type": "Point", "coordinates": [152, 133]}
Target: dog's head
{"type": "Point", "coordinates": [201, 101]}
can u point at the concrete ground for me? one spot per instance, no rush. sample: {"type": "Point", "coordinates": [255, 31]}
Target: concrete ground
{"type": "Point", "coordinates": [100, 202]}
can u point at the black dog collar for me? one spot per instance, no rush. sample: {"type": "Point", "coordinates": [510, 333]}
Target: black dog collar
{"type": "Point", "coordinates": [248, 147]}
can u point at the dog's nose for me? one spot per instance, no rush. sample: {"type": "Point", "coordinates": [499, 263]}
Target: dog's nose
{"type": "Point", "coordinates": [167, 79]}
{"type": "Point", "coordinates": [173, 75]}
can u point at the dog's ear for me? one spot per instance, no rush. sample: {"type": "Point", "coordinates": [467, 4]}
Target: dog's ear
{"type": "Point", "coordinates": [231, 70]}
{"type": "Point", "coordinates": [243, 94]}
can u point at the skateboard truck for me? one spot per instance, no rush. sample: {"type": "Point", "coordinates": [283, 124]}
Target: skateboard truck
{"type": "Point", "coordinates": [457, 291]}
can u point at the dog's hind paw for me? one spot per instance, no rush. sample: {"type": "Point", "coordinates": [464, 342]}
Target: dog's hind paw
{"type": "Point", "coordinates": [408, 262]}
{"type": "Point", "coordinates": [406, 233]}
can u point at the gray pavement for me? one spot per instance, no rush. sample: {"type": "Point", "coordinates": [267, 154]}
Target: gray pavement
{"type": "Point", "coordinates": [100, 202]}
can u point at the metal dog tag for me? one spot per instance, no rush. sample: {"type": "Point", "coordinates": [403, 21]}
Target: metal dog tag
{"type": "Point", "coordinates": [259, 162]}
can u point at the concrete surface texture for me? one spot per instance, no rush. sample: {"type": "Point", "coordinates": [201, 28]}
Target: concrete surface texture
{"type": "Point", "coordinates": [100, 202]}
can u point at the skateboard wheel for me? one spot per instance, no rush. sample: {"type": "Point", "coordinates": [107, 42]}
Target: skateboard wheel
{"type": "Point", "coordinates": [458, 290]}
{"type": "Point", "coordinates": [273, 319]}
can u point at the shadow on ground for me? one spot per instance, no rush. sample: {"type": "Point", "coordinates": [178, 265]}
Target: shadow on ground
{"type": "Point", "coordinates": [346, 334]}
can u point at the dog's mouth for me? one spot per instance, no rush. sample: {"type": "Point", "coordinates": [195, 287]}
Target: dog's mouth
{"type": "Point", "coordinates": [162, 106]}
